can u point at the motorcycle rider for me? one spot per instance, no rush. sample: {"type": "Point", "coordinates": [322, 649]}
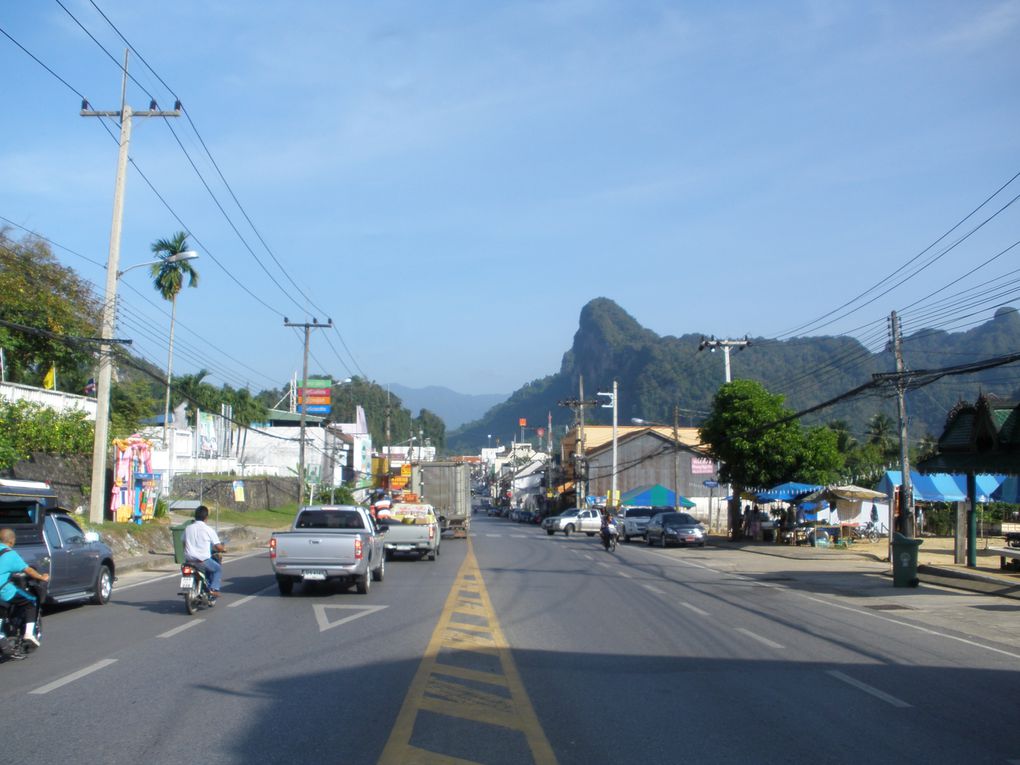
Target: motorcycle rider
{"type": "Point", "coordinates": [201, 542]}
{"type": "Point", "coordinates": [608, 529]}
{"type": "Point", "coordinates": [12, 563]}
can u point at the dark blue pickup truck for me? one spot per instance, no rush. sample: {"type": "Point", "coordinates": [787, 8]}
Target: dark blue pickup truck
{"type": "Point", "coordinates": [80, 566]}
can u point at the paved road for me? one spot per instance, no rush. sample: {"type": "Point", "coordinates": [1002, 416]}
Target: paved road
{"type": "Point", "coordinates": [519, 647]}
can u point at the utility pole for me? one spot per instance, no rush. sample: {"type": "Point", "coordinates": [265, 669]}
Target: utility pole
{"type": "Point", "coordinates": [97, 498]}
{"type": "Point", "coordinates": [711, 343]}
{"type": "Point", "coordinates": [308, 327]}
{"type": "Point", "coordinates": [578, 404]}
{"type": "Point", "coordinates": [613, 500]}
{"type": "Point", "coordinates": [907, 493]}
{"type": "Point", "coordinates": [676, 462]}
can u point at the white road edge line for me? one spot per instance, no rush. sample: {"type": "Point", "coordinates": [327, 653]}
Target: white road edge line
{"type": "Point", "coordinates": [868, 689]}
{"type": "Point", "coordinates": [254, 595]}
{"type": "Point", "coordinates": [695, 609]}
{"type": "Point", "coordinates": [178, 630]}
{"type": "Point", "coordinates": [759, 638]}
{"type": "Point", "coordinates": [177, 573]}
{"type": "Point", "coordinates": [925, 630]}
{"type": "Point", "coordinates": [652, 588]}
{"type": "Point", "coordinates": [73, 676]}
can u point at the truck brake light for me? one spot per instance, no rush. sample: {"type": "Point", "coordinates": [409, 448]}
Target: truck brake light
{"type": "Point", "coordinates": [357, 548]}
{"type": "Point", "coordinates": [272, 548]}
{"type": "Point", "coordinates": [432, 532]}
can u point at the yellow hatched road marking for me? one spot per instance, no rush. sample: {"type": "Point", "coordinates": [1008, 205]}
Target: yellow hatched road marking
{"type": "Point", "coordinates": [435, 689]}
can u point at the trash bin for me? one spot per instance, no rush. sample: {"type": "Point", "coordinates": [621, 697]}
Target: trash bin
{"type": "Point", "coordinates": [178, 534]}
{"type": "Point", "coordinates": [904, 560]}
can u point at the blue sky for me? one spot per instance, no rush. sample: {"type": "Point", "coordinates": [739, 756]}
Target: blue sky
{"type": "Point", "coordinates": [453, 181]}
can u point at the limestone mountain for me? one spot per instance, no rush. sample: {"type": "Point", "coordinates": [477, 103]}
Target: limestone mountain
{"type": "Point", "coordinates": [656, 373]}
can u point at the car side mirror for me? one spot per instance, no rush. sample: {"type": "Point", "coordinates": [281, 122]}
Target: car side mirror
{"type": "Point", "coordinates": [382, 528]}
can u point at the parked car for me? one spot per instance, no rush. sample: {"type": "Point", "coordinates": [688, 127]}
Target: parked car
{"type": "Point", "coordinates": [675, 528]}
{"type": "Point", "coordinates": [80, 565]}
{"type": "Point", "coordinates": [632, 521]}
{"type": "Point", "coordinates": [587, 520]}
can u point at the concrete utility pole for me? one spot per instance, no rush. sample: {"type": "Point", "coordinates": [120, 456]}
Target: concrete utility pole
{"type": "Point", "coordinates": [578, 405]}
{"type": "Point", "coordinates": [907, 492]}
{"type": "Point", "coordinates": [676, 462]}
{"type": "Point", "coordinates": [711, 343]}
{"type": "Point", "coordinates": [304, 382]}
{"type": "Point", "coordinates": [613, 499]}
{"type": "Point", "coordinates": [97, 498]}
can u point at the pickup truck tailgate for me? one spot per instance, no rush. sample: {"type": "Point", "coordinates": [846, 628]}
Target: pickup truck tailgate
{"type": "Point", "coordinates": [306, 548]}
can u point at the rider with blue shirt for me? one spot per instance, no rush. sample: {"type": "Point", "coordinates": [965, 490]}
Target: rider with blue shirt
{"type": "Point", "coordinates": [12, 563]}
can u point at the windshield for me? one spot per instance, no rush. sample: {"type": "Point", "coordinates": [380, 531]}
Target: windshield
{"type": "Point", "coordinates": [329, 519]}
{"type": "Point", "coordinates": [680, 519]}
{"type": "Point", "coordinates": [640, 512]}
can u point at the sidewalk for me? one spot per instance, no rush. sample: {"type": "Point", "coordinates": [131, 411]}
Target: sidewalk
{"type": "Point", "coordinates": [935, 562]}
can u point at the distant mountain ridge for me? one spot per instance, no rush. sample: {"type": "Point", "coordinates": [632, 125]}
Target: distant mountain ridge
{"type": "Point", "coordinates": [655, 373]}
{"type": "Point", "coordinates": [452, 407]}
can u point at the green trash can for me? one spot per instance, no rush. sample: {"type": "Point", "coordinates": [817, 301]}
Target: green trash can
{"type": "Point", "coordinates": [178, 534]}
{"type": "Point", "coordinates": [904, 560]}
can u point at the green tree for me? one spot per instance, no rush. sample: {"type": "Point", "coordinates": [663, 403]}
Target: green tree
{"type": "Point", "coordinates": [744, 431]}
{"type": "Point", "coordinates": [821, 460]}
{"type": "Point", "coordinates": [432, 428]}
{"type": "Point", "coordinates": [880, 433]}
{"type": "Point", "coordinates": [36, 291]}
{"type": "Point", "coordinates": [130, 403]}
{"type": "Point", "coordinates": [27, 427]}
{"type": "Point", "coordinates": [168, 277]}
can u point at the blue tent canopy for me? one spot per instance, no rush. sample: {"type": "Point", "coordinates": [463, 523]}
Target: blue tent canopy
{"type": "Point", "coordinates": [653, 495]}
{"type": "Point", "coordinates": [941, 487]}
{"type": "Point", "coordinates": [1008, 491]}
{"type": "Point", "coordinates": [786, 491]}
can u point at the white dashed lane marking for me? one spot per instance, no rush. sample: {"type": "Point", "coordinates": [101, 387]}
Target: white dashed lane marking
{"type": "Point", "coordinates": [73, 676]}
{"type": "Point", "coordinates": [178, 630]}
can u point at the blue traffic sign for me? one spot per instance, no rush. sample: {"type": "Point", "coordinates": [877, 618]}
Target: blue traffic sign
{"type": "Point", "coordinates": [711, 484]}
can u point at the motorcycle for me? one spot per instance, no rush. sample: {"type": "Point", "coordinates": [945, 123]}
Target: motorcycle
{"type": "Point", "coordinates": [609, 536]}
{"type": "Point", "coordinates": [13, 645]}
{"type": "Point", "coordinates": [195, 589]}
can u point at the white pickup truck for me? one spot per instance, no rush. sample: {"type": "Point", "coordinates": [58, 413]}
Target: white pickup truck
{"type": "Point", "coordinates": [329, 543]}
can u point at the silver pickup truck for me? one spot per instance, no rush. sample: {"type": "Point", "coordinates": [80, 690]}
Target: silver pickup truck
{"type": "Point", "coordinates": [338, 543]}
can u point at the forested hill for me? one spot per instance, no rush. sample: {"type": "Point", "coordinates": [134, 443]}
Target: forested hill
{"type": "Point", "coordinates": [656, 373]}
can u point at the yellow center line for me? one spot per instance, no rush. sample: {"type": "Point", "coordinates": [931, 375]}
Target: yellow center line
{"type": "Point", "coordinates": [435, 688]}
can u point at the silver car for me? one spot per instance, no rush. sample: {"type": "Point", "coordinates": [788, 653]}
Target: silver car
{"type": "Point", "coordinates": [675, 528]}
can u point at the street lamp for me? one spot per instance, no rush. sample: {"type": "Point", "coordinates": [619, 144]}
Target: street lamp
{"type": "Point", "coordinates": [97, 497]}
{"type": "Point", "coordinates": [188, 255]}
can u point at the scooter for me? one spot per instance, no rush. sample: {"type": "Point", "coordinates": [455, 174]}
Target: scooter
{"type": "Point", "coordinates": [195, 589]}
{"type": "Point", "coordinates": [13, 645]}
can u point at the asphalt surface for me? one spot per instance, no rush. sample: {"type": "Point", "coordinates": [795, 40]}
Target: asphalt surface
{"type": "Point", "coordinates": [520, 647]}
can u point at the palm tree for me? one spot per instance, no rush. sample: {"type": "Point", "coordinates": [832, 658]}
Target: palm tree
{"type": "Point", "coordinates": [880, 433]}
{"type": "Point", "coordinates": [168, 279]}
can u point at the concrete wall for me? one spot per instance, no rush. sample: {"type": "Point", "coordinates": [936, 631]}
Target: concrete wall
{"type": "Point", "coordinates": [54, 399]}
{"type": "Point", "coordinates": [260, 493]}
{"type": "Point", "coordinates": [70, 477]}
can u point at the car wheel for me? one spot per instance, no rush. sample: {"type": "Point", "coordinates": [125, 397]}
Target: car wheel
{"type": "Point", "coordinates": [626, 538]}
{"type": "Point", "coordinates": [648, 540]}
{"type": "Point", "coordinates": [662, 541]}
{"type": "Point", "coordinates": [550, 532]}
{"type": "Point", "coordinates": [568, 530]}
{"type": "Point", "coordinates": [380, 572]}
{"type": "Point", "coordinates": [701, 544]}
{"type": "Point", "coordinates": [285, 585]}
{"type": "Point", "coordinates": [590, 533]}
{"type": "Point", "coordinates": [364, 584]}
{"type": "Point", "coordinates": [104, 586]}
{"type": "Point", "coordinates": [432, 555]}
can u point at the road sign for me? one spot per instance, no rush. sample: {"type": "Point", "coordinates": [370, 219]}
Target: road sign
{"type": "Point", "coordinates": [322, 615]}
{"type": "Point", "coordinates": [317, 409]}
{"type": "Point", "coordinates": [711, 484]}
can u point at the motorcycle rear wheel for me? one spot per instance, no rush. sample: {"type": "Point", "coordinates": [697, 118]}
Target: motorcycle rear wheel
{"type": "Point", "coordinates": [190, 602]}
